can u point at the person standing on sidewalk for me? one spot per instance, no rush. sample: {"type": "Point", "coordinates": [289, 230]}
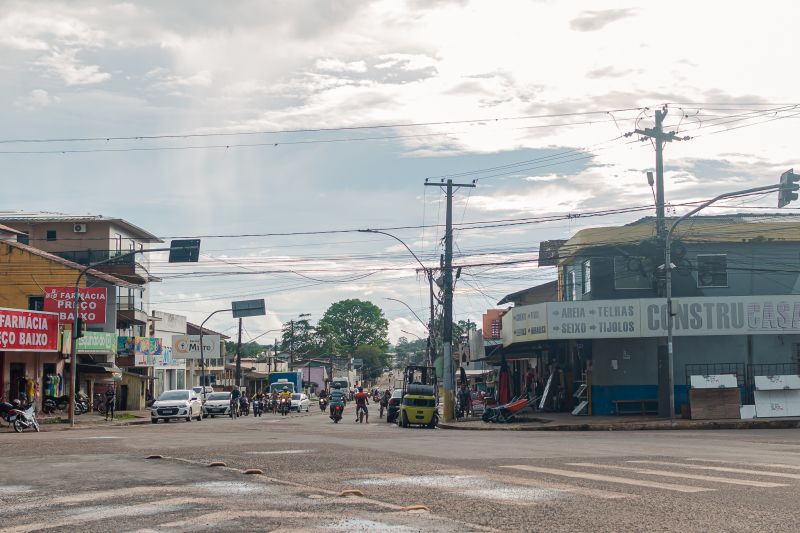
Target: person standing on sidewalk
{"type": "Point", "coordinates": [110, 397]}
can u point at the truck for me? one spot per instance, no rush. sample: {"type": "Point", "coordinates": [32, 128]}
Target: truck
{"type": "Point", "coordinates": [292, 380]}
{"type": "Point", "coordinates": [343, 382]}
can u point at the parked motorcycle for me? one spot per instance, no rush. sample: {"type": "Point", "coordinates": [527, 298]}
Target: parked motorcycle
{"type": "Point", "coordinates": [6, 411]}
{"type": "Point", "coordinates": [323, 404]}
{"type": "Point", "coordinates": [81, 403]}
{"type": "Point", "coordinates": [336, 413]}
{"type": "Point", "coordinates": [24, 419]}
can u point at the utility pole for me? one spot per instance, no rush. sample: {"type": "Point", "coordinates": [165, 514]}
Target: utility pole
{"type": "Point", "coordinates": [291, 345]}
{"type": "Point", "coordinates": [659, 137]}
{"type": "Point", "coordinates": [275, 359]}
{"type": "Point", "coordinates": [431, 352]}
{"type": "Point", "coordinates": [447, 274]}
{"type": "Point", "coordinates": [239, 357]}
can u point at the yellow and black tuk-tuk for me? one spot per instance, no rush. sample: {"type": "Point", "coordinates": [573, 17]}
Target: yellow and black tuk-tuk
{"type": "Point", "coordinates": [418, 404]}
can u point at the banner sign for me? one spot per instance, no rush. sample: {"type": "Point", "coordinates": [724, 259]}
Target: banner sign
{"type": "Point", "coordinates": [28, 331]}
{"type": "Point", "coordinates": [188, 346]}
{"type": "Point", "coordinates": [166, 360]}
{"type": "Point", "coordinates": [91, 305]}
{"type": "Point", "coordinates": [92, 342]}
{"type": "Point", "coordinates": [695, 316]}
{"type": "Point", "coordinates": [145, 350]}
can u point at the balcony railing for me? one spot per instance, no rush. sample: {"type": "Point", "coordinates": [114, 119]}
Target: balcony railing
{"type": "Point", "coordinates": [88, 257]}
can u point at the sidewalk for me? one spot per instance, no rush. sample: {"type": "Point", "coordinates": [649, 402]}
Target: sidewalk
{"type": "Point", "coordinates": [567, 422]}
{"type": "Point", "coordinates": [94, 420]}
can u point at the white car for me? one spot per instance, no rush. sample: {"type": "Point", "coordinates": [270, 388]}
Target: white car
{"type": "Point", "coordinates": [179, 403]}
{"type": "Point", "coordinates": [217, 403]}
{"type": "Point", "coordinates": [198, 391]}
{"type": "Point", "coordinates": [300, 402]}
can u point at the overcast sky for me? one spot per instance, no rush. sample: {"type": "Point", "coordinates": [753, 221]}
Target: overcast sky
{"type": "Point", "coordinates": [544, 89]}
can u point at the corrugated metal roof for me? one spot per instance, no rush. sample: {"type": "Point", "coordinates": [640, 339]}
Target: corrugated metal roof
{"type": "Point", "coordinates": [40, 217]}
{"type": "Point", "coordinates": [712, 229]}
{"type": "Point", "coordinates": [6, 229]}
{"type": "Point", "coordinates": [69, 264]}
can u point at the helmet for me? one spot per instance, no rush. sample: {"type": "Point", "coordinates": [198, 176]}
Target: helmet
{"type": "Point", "coordinates": [16, 403]}
{"type": "Point", "coordinates": [286, 388]}
{"type": "Point", "coordinates": [361, 389]}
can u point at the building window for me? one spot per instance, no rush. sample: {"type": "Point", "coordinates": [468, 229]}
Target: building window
{"type": "Point", "coordinates": [629, 273]}
{"type": "Point", "coordinates": [36, 303]}
{"type": "Point", "coordinates": [572, 290]}
{"type": "Point", "coordinates": [117, 243]}
{"type": "Point", "coordinates": [712, 270]}
{"type": "Point", "coordinates": [495, 329]}
{"type": "Point", "coordinates": [51, 235]}
{"type": "Point", "coordinates": [23, 239]}
{"type": "Point", "coordinates": [586, 276]}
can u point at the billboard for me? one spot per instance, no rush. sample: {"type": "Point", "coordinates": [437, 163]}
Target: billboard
{"type": "Point", "coordinates": [188, 346]}
{"type": "Point", "coordinates": [145, 350]}
{"type": "Point", "coordinates": [91, 306]}
{"type": "Point", "coordinates": [28, 331]}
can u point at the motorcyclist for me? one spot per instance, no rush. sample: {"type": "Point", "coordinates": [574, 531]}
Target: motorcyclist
{"type": "Point", "coordinates": [385, 400]}
{"type": "Point", "coordinates": [362, 400]}
{"type": "Point", "coordinates": [286, 395]}
{"type": "Point", "coordinates": [235, 393]}
{"type": "Point", "coordinates": [336, 397]}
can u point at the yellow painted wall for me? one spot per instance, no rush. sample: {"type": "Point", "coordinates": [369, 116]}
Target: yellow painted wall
{"type": "Point", "coordinates": [23, 274]}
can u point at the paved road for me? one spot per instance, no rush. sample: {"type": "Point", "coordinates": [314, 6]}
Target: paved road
{"type": "Point", "coordinates": [100, 479]}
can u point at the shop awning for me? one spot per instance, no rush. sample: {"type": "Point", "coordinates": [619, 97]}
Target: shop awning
{"type": "Point", "coordinates": [111, 371]}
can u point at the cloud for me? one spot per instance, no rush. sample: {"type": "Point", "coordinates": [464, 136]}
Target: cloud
{"type": "Point", "coordinates": [337, 65]}
{"type": "Point", "coordinates": [597, 20]}
{"type": "Point", "coordinates": [609, 72]}
{"type": "Point", "coordinates": [66, 65]}
{"type": "Point", "coordinates": [36, 99]}
{"type": "Point", "coordinates": [164, 80]}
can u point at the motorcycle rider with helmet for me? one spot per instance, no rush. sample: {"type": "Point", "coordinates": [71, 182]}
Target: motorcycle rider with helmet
{"type": "Point", "coordinates": [336, 397]}
{"type": "Point", "coordinates": [362, 400]}
{"type": "Point", "coordinates": [286, 395]}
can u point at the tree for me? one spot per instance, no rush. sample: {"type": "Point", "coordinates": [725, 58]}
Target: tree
{"type": "Point", "coordinates": [375, 360]}
{"type": "Point", "coordinates": [356, 323]}
{"type": "Point", "coordinates": [298, 335]}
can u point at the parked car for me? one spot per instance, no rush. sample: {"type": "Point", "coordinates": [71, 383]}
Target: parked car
{"type": "Point", "coordinates": [217, 403]}
{"type": "Point", "coordinates": [394, 405]}
{"type": "Point", "coordinates": [198, 391]}
{"type": "Point", "coordinates": [300, 402]}
{"type": "Point", "coordinates": [179, 403]}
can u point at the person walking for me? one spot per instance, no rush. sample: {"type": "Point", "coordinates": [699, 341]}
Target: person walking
{"type": "Point", "coordinates": [110, 401]}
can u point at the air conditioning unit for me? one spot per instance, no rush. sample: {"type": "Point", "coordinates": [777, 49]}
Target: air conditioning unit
{"type": "Point", "coordinates": [79, 228]}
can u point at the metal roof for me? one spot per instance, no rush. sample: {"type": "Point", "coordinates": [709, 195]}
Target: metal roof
{"type": "Point", "coordinates": [69, 264]}
{"type": "Point", "coordinates": [41, 217]}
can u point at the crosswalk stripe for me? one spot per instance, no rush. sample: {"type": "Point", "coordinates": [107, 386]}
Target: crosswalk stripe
{"type": "Point", "coordinates": [608, 479]}
{"type": "Point", "coordinates": [698, 477]}
{"type": "Point", "coordinates": [722, 469]}
{"type": "Point", "coordinates": [769, 465]}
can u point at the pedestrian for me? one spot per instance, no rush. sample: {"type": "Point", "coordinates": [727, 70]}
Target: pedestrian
{"type": "Point", "coordinates": [110, 396]}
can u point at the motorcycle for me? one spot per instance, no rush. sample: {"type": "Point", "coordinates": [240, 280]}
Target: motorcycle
{"type": "Point", "coordinates": [285, 406]}
{"type": "Point", "coordinates": [274, 406]}
{"type": "Point", "coordinates": [244, 406]}
{"type": "Point", "coordinates": [6, 411]}
{"type": "Point", "coordinates": [256, 407]}
{"type": "Point", "coordinates": [51, 404]}
{"type": "Point", "coordinates": [24, 419]}
{"type": "Point", "coordinates": [336, 413]}
{"type": "Point", "coordinates": [81, 403]}
{"type": "Point", "coordinates": [323, 404]}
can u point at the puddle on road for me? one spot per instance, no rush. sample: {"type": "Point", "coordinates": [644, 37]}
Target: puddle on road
{"type": "Point", "coordinates": [281, 452]}
{"type": "Point", "coordinates": [228, 487]}
{"type": "Point", "coordinates": [358, 524]}
{"type": "Point", "coordinates": [472, 486]}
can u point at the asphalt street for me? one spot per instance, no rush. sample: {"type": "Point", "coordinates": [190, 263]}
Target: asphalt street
{"type": "Point", "coordinates": [101, 479]}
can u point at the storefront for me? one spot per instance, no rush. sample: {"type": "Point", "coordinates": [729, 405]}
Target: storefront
{"type": "Point", "coordinates": [30, 365]}
{"type": "Point", "coordinates": [96, 370]}
{"type": "Point", "coordinates": [137, 357]}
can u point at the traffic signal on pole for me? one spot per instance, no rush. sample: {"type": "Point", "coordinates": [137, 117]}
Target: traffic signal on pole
{"type": "Point", "coordinates": [789, 185]}
{"type": "Point", "coordinates": [79, 328]}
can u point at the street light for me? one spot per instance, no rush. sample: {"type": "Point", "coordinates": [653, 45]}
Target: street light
{"type": "Point", "coordinates": [412, 311]}
{"type": "Point", "coordinates": [180, 251]}
{"type": "Point", "coordinates": [786, 186]}
{"type": "Point", "coordinates": [429, 273]}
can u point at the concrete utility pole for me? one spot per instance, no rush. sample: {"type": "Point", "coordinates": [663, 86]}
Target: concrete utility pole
{"type": "Point", "coordinates": [657, 134]}
{"type": "Point", "coordinates": [447, 274]}
{"type": "Point", "coordinates": [291, 345]}
{"type": "Point", "coordinates": [239, 357]}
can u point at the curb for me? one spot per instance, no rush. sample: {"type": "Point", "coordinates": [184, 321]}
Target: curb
{"type": "Point", "coordinates": [633, 426]}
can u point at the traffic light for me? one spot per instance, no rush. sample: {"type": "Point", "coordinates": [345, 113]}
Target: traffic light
{"type": "Point", "coordinates": [789, 185]}
{"type": "Point", "coordinates": [79, 328]}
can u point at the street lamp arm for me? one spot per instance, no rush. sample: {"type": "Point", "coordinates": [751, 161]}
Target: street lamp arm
{"type": "Point", "coordinates": [202, 358]}
{"type": "Point", "coordinates": [398, 239]}
{"type": "Point", "coordinates": [409, 308]}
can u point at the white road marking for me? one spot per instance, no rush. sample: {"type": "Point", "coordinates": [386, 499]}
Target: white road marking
{"type": "Point", "coordinates": [281, 452]}
{"type": "Point", "coordinates": [608, 479]}
{"type": "Point", "coordinates": [769, 465]}
{"type": "Point", "coordinates": [722, 469]}
{"type": "Point", "coordinates": [698, 477]}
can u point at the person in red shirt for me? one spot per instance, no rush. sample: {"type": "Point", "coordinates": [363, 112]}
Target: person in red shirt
{"type": "Point", "coordinates": [362, 400]}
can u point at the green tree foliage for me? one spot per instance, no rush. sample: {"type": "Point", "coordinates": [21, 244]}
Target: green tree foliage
{"type": "Point", "coordinates": [249, 349]}
{"type": "Point", "coordinates": [356, 323]}
{"type": "Point", "coordinates": [305, 339]}
{"type": "Point", "coordinates": [375, 360]}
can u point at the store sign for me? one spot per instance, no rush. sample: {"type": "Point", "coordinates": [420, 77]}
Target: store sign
{"type": "Point", "coordinates": [143, 349]}
{"type": "Point", "coordinates": [92, 342]}
{"type": "Point", "coordinates": [698, 316]}
{"type": "Point", "coordinates": [28, 331]}
{"type": "Point", "coordinates": [188, 346]}
{"type": "Point", "coordinates": [165, 360]}
{"type": "Point", "coordinates": [91, 305]}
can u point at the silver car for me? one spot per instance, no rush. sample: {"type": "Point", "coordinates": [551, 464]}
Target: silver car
{"type": "Point", "coordinates": [176, 404]}
{"type": "Point", "coordinates": [217, 403]}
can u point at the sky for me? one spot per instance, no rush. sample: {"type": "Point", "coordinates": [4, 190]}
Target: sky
{"type": "Point", "coordinates": [233, 120]}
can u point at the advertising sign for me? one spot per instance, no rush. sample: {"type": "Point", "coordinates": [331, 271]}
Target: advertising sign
{"type": "Point", "coordinates": [144, 350]}
{"type": "Point", "coordinates": [92, 342]}
{"type": "Point", "coordinates": [188, 346]}
{"type": "Point", "coordinates": [600, 319]}
{"type": "Point", "coordinates": [28, 331]}
{"type": "Point", "coordinates": [166, 360]}
{"type": "Point", "coordinates": [92, 303]}
{"type": "Point", "coordinates": [529, 323]}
